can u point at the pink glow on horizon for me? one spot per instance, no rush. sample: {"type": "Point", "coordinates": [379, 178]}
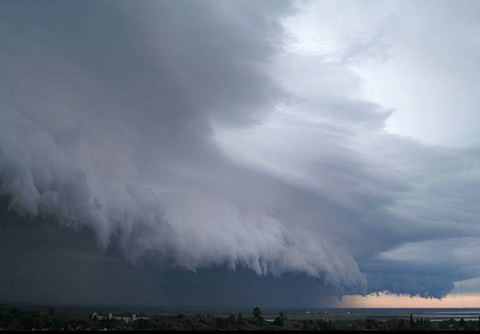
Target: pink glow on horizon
{"type": "Point", "coordinates": [393, 301]}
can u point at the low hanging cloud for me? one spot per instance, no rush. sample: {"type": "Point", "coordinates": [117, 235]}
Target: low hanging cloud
{"type": "Point", "coordinates": [188, 135]}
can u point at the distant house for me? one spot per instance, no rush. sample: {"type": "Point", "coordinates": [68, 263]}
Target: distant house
{"type": "Point", "coordinates": [110, 316]}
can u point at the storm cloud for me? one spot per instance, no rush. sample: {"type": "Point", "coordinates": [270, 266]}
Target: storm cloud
{"type": "Point", "coordinates": [185, 143]}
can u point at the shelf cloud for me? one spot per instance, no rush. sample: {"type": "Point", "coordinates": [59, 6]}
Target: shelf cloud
{"type": "Point", "coordinates": [192, 137]}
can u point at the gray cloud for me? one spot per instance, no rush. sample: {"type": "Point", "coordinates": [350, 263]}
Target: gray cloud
{"type": "Point", "coordinates": [48, 264]}
{"type": "Point", "coordinates": [427, 269]}
{"type": "Point", "coordinates": [187, 136]}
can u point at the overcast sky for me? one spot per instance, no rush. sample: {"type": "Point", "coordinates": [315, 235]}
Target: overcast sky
{"type": "Point", "coordinates": [238, 153]}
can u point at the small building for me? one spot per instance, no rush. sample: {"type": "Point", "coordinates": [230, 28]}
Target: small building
{"type": "Point", "coordinates": [110, 316]}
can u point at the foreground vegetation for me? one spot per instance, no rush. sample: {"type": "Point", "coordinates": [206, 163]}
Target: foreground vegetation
{"type": "Point", "coordinates": [12, 318]}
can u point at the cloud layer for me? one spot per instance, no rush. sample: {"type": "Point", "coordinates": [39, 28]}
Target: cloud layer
{"type": "Point", "coordinates": [190, 135]}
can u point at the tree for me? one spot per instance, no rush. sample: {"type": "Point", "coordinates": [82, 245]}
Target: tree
{"type": "Point", "coordinates": [231, 319]}
{"type": "Point", "coordinates": [240, 321]}
{"type": "Point", "coordinates": [402, 326]}
{"type": "Point", "coordinates": [257, 313]}
{"type": "Point", "coordinates": [412, 323]}
{"type": "Point", "coordinates": [280, 320]}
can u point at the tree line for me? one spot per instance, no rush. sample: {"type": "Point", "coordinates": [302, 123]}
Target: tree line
{"type": "Point", "coordinates": [12, 318]}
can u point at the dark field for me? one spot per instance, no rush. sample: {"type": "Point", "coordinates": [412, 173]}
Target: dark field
{"type": "Point", "coordinates": [83, 318]}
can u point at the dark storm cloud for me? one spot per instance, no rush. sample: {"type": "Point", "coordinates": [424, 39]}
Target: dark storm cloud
{"type": "Point", "coordinates": [45, 263]}
{"type": "Point", "coordinates": [427, 269]}
{"type": "Point", "coordinates": [182, 136]}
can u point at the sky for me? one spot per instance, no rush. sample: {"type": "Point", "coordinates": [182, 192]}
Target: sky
{"type": "Point", "coordinates": [239, 153]}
